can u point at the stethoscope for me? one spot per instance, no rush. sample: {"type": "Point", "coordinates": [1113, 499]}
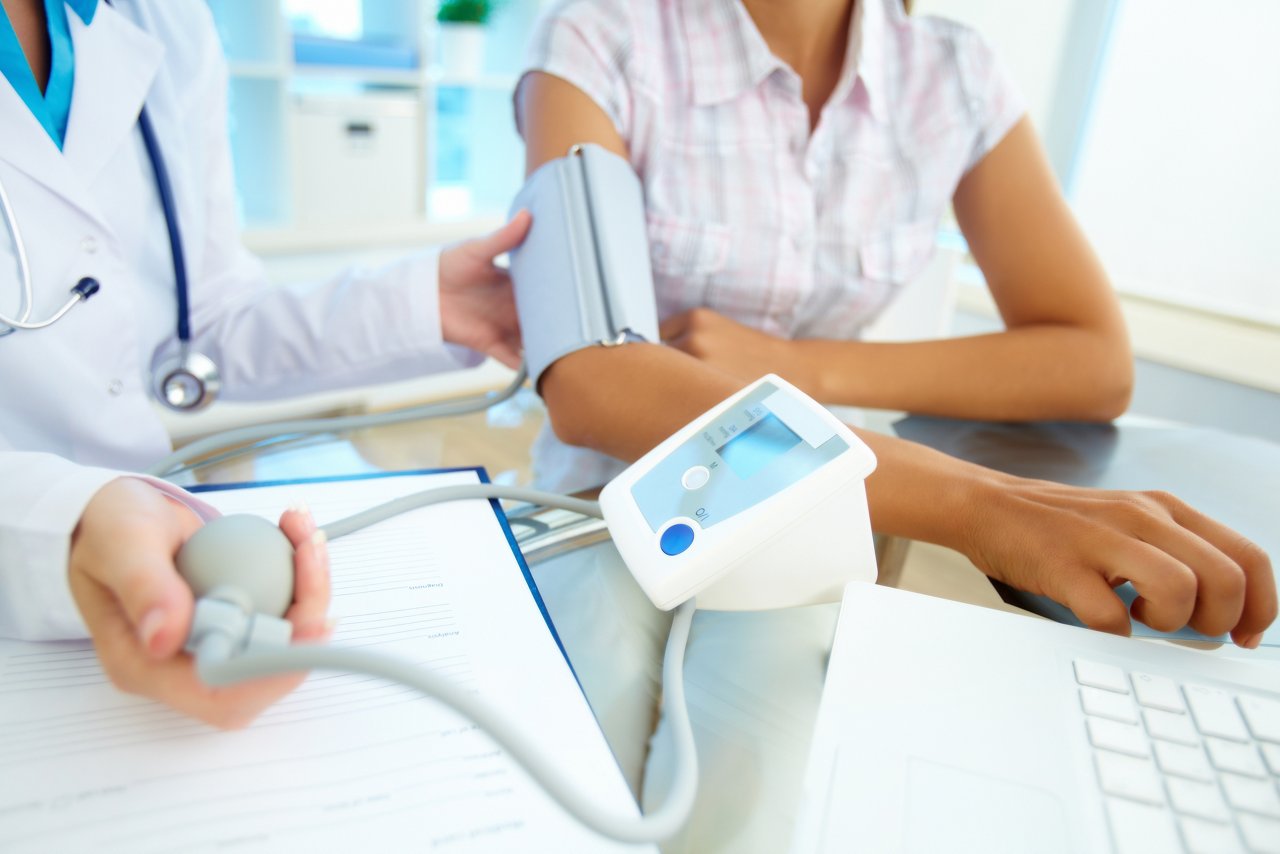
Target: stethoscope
{"type": "Point", "coordinates": [186, 381]}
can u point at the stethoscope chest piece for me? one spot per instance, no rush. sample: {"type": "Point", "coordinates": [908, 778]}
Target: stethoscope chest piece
{"type": "Point", "coordinates": [187, 381]}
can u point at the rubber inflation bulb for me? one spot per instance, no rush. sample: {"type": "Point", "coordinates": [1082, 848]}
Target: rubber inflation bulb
{"type": "Point", "coordinates": [243, 553]}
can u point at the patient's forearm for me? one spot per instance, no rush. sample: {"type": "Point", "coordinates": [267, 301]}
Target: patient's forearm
{"type": "Point", "coordinates": [1033, 372]}
{"type": "Point", "coordinates": [625, 400]}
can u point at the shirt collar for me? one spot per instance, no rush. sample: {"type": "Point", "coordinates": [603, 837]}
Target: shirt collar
{"type": "Point", "coordinates": [870, 34]}
{"type": "Point", "coordinates": [728, 55]}
{"type": "Point", "coordinates": [84, 9]}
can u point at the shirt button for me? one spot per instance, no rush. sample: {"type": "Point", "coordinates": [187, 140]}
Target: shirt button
{"type": "Point", "coordinates": [89, 244]}
{"type": "Point", "coordinates": [115, 388]}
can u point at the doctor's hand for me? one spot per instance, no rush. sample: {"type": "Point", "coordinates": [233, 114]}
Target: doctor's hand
{"type": "Point", "coordinates": [739, 350]}
{"type": "Point", "coordinates": [1076, 545]}
{"type": "Point", "coordinates": [477, 306]}
{"type": "Point", "coordinates": [138, 609]}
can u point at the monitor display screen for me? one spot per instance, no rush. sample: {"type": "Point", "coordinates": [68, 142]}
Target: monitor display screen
{"type": "Point", "coordinates": [758, 445]}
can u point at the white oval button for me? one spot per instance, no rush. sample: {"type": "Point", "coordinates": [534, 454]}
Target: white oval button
{"type": "Point", "coordinates": [696, 477]}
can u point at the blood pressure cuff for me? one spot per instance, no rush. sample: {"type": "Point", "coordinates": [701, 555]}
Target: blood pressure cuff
{"type": "Point", "coordinates": [582, 275]}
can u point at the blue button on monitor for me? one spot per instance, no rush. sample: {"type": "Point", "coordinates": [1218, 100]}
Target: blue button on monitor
{"type": "Point", "coordinates": [676, 539]}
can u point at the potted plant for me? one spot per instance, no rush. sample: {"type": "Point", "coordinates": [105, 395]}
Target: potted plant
{"type": "Point", "coordinates": [462, 35]}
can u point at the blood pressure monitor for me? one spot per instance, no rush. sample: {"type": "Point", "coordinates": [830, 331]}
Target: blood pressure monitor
{"type": "Point", "coordinates": [758, 504]}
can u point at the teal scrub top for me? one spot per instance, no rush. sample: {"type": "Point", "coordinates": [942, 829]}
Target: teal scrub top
{"type": "Point", "coordinates": [51, 107]}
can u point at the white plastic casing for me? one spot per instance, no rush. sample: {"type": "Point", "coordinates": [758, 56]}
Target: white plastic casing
{"type": "Point", "coordinates": [799, 532]}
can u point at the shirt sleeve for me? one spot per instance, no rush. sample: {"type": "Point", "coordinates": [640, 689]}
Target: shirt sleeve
{"type": "Point", "coordinates": [995, 102]}
{"type": "Point", "coordinates": [363, 326]}
{"type": "Point", "coordinates": [587, 43]}
{"type": "Point", "coordinates": [42, 497]}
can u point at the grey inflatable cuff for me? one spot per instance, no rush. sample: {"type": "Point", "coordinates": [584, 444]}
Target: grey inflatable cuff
{"type": "Point", "coordinates": [582, 276]}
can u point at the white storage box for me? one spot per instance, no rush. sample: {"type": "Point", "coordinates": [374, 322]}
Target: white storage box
{"type": "Point", "coordinates": [356, 159]}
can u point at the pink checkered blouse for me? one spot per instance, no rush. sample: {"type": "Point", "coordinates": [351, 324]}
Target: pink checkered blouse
{"type": "Point", "coordinates": [799, 234]}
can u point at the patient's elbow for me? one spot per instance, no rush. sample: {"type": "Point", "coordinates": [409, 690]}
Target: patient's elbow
{"type": "Point", "coordinates": [564, 403]}
{"type": "Point", "coordinates": [1110, 390]}
{"type": "Point", "coordinates": [1110, 404]}
{"type": "Point", "coordinates": [568, 428]}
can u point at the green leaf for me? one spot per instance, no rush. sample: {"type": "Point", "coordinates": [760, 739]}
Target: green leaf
{"type": "Point", "coordinates": [465, 11]}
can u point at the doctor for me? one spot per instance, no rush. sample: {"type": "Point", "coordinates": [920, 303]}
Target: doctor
{"type": "Point", "coordinates": [91, 200]}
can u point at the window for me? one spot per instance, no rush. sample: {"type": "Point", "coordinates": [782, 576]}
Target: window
{"type": "Point", "coordinates": [1176, 179]}
{"type": "Point", "coordinates": [1162, 120]}
{"type": "Point", "coordinates": [335, 19]}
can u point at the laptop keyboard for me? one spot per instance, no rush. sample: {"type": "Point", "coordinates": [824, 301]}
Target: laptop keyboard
{"type": "Point", "coordinates": [1182, 767]}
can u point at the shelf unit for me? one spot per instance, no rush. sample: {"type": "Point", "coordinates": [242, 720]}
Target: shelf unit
{"type": "Point", "coordinates": [469, 159]}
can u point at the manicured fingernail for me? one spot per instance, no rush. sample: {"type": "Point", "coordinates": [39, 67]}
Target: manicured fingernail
{"type": "Point", "coordinates": [318, 629]}
{"type": "Point", "coordinates": [319, 537]}
{"type": "Point", "coordinates": [150, 625]}
{"type": "Point", "coordinates": [301, 508]}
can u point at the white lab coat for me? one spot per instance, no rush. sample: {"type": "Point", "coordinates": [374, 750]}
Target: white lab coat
{"type": "Point", "coordinates": [76, 408]}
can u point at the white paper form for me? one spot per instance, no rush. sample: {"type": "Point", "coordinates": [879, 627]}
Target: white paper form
{"type": "Point", "coordinates": [345, 762]}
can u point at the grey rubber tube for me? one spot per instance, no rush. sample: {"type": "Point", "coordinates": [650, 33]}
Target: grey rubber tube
{"type": "Point", "coordinates": [440, 494]}
{"type": "Point", "coordinates": [171, 464]}
{"type": "Point", "coordinates": [662, 823]}
{"type": "Point", "coordinates": [216, 667]}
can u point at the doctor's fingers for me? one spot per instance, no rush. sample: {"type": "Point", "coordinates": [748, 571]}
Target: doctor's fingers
{"type": "Point", "coordinates": [311, 585]}
{"type": "Point", "coordinates": [171, 680]}
{"type": "Point", "coordinates": [175, 683]}
{"type": "Point", "coordinates": [122, 562]}
{"type": "Point", "coordinates": [508, 351]}
{"type": "Point", "coordinates": [503, 239]}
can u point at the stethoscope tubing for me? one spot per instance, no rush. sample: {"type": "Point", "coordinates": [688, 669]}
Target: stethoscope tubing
{"type": "Point", "coordinates": [24, 272]}
{"type": "Point", "coordinates": [80, 292]}
{"type": "Point", "coordinates": [170, 211]}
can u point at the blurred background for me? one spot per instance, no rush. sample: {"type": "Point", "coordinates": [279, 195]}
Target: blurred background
{"type": "Point", "coordinates": [362, 129]}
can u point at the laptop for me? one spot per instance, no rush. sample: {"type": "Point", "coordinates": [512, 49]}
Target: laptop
{"type": "Point", "coordinates": [946, 727]}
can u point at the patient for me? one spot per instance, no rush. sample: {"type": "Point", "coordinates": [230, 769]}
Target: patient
{"type": "Point", "coordinates": [795, 201]}
{"type": "Point", "coordinates": [796, 158]}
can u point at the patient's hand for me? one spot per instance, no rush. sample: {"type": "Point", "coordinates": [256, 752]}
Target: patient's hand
{"type": "Point", "coordinates": [477, 307]}
{"type": "Point", "coordinates": [138, 609]}
{"type": "Point", "coordinates": [738, 350]}
{"type": "Point", "coordinates": [1076, 545]}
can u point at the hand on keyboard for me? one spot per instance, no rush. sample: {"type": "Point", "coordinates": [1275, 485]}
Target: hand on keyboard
{"type": "Point", "coordinates": [1076, 545]}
